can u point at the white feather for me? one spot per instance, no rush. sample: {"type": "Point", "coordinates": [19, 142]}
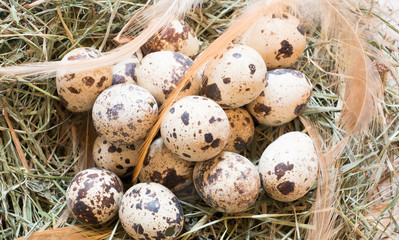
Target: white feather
{"type": "Point", "coordinates": [164, 10]}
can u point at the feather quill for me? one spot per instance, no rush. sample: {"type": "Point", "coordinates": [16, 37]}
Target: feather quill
{"type": "Point", "coordinates": [164, 10]}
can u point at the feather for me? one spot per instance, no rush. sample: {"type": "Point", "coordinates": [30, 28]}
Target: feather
{"type": "Point", "coordinates": [164, 10]}
{"type": "Point", "coordinates": [67, 233]}
{"type": "Point", "coordinates": [249, 15]}
{"type": "Point", "coordinates": [358, 76]}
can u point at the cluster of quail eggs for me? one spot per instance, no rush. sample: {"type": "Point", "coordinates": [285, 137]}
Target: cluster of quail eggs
{"type": "Point", "coordinates": [202, 134]}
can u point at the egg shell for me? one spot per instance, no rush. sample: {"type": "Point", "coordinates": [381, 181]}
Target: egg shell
{"type": "Point", "coordinates": [228, 182]}
{"type": "Point", "coordinates": [151, 211]}
{"type": "Point", "coordinates": [286, 94]}
{"type": "Point", "coordinates": [279, 38]}
{"type": "Point", "coordinates": [235, 77]}
{"type": "Point", "coordinates": [93, 196]}
{"type": "Point", "coordinates": [288, 167]}
{"type": "Point", "coordinates": [178, 37]}
{"type": "Point", "coordinates": [79, 90]}
{"type": "Point", "coordinates": [242, 130]}
{"type": "Point", "coordinates": [124, 113]}
{"type": "Point", "coordinates": [195, 128]}
{"type": "Point", "coordinates": [162, 166]}
{"type": "Point", "coordinates": [124, 71]}
{"type": "Point", "coordinates": [117, 158]}
{"type": "Point", "coordinates": [160, 72]}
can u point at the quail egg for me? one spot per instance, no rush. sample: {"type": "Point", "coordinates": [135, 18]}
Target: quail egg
{"type": "Point", "coordinates": [242, 130]}
{"type": "Point", "coordinates": [160, 72]}
{"type": "Point", "coordinates": [93, 196]}
{"type": "Point", "coordinates": [288, 166]}
{"type": "Point", "coordinates": [151, 211]}
{"type": "Point", "coordinates": [118, 158]}
{"type": "Point", "coordinates": [279, 38]}
{"type": "Point", "coordinates": [195, 128]}
{"type": "Point", "coordinates": [162, 166]}
{"type": "Point", "coordinates": [79, 90]}
{"type": "Point", "coordinates": [124, 113]}
{"type": "Point", "coordinates": [228, 182]}
{"type": "Point", "coordinates": [235, 77]}
{"type": "Point", "coordinates": [124, 71]}
{"type": "Point", "coordinates": [286, 94]}
{"type": "Point", "coordinates": [178, 37]}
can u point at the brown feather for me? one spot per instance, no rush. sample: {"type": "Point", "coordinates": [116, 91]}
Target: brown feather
{"type": "Point", "coordinates": [359, 77]}
{"type": "Point", "coordinates": [65, 233]}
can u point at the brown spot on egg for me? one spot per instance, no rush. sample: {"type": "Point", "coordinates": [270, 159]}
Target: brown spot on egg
{"type": "Point", "coordinates": [186, 155]}
{"type": "Point", "coordinates": [286, 187]}
{"type": "Point", "coordinates": [188, 85]}
{"type": "Point", "coordinates": [101, 82]}
{"type": "Point", "coordinates": [153, 205]}
{"type": "Point", "coordinates": [208, 137]}
{"type": "Point", "coordinates": [299, 108]}
{"type": "Point", "coordinates": [118, 79]}
{"type": "Point", "coordinates": [252, 68]}
{"type": "Point", "coordinates": [88, 81]}
{"type": "Point", "coordinates": [129, 70]}
{"type": "Point", "coordinates": [171, 179]}
{"type": "Point", "coordinates": [84, 213]}
{"type": "Point", "coordinates": [138, 228]}
{"type": "Point", "coordinates": [261, 108]}
{"type": "Point", "coordinates": [239, 144]}
{"type": "Point", "coordinates": [237, 55]}
{"type": "Point", "coordinates": [281, 168]}
{"type": "Point", "coordinates": [185, 117]}
{"type": "Point", "coordinates": [183, 60]}
{"type": "Point", "coordinates": [63, 101]}
{"type": "Point", "coordinates": [215, 143]}
{"type": "Point", "coordinates": [212, 91]}
{"type": "Point", "coordinates": [301, 30]}
{"type": "Point", "coordinates": [113, 149]}
{"type": "Point", "coordinates": [69, 77]}
{"type": "Point", "coordinates": [213, 119]}
{"type": "Point", "coordinates": [77, 57]}
{"type": "Point", "coordinates": [73, 90]}
{"type": "Point", "coordinates": [285, 51]}
{"type": "Point", "coordinates": [113, 113]}
{"type": "Point", "coordinates": [226, 80]}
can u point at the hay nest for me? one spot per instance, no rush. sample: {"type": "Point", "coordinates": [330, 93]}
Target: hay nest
{"type": "Point", "coordinates": [42, 145]}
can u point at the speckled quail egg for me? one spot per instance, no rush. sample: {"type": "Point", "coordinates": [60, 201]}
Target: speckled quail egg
{"type": "Point", "coordinates": [235, 77]}
{"type": "Point", "coordinates": [242, 130]}
{"type": "Point", "coordinates": [288, 166]}
{"type": "Point", "coordinates": [160, 72]}
{"type": "Point", "coordinates": [93, 196]}
{"type": "Point", "coordinates": [151, 211]}
{"type": "Point", "coordinates": [228, 182]}
{"type": "Point", "coordinates": [286, 94]}
{"type": "Point", "coordinates": [195, 128]}
{"type": "Point", "coordinates": [124, 113]}
{"type": "Point", "coordinates": [118, 158]}
{"type": "Point", "coordinates": [279, 38]}
{"type": "Point", "coordinates": [178, 37]}
{"type": "Point", "coordinates": [162, 166]}
{"type": "Point", "coordinates": [79, 90]}
{"type": "Point", "coordinates": [123, 72]}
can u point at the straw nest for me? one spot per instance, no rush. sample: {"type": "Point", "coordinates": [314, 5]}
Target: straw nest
{"type": "Point", "coordinates": [42, 145]}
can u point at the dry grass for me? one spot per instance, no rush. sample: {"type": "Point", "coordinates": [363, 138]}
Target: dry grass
{"type": "Point", "coordinates": [42, 145]}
